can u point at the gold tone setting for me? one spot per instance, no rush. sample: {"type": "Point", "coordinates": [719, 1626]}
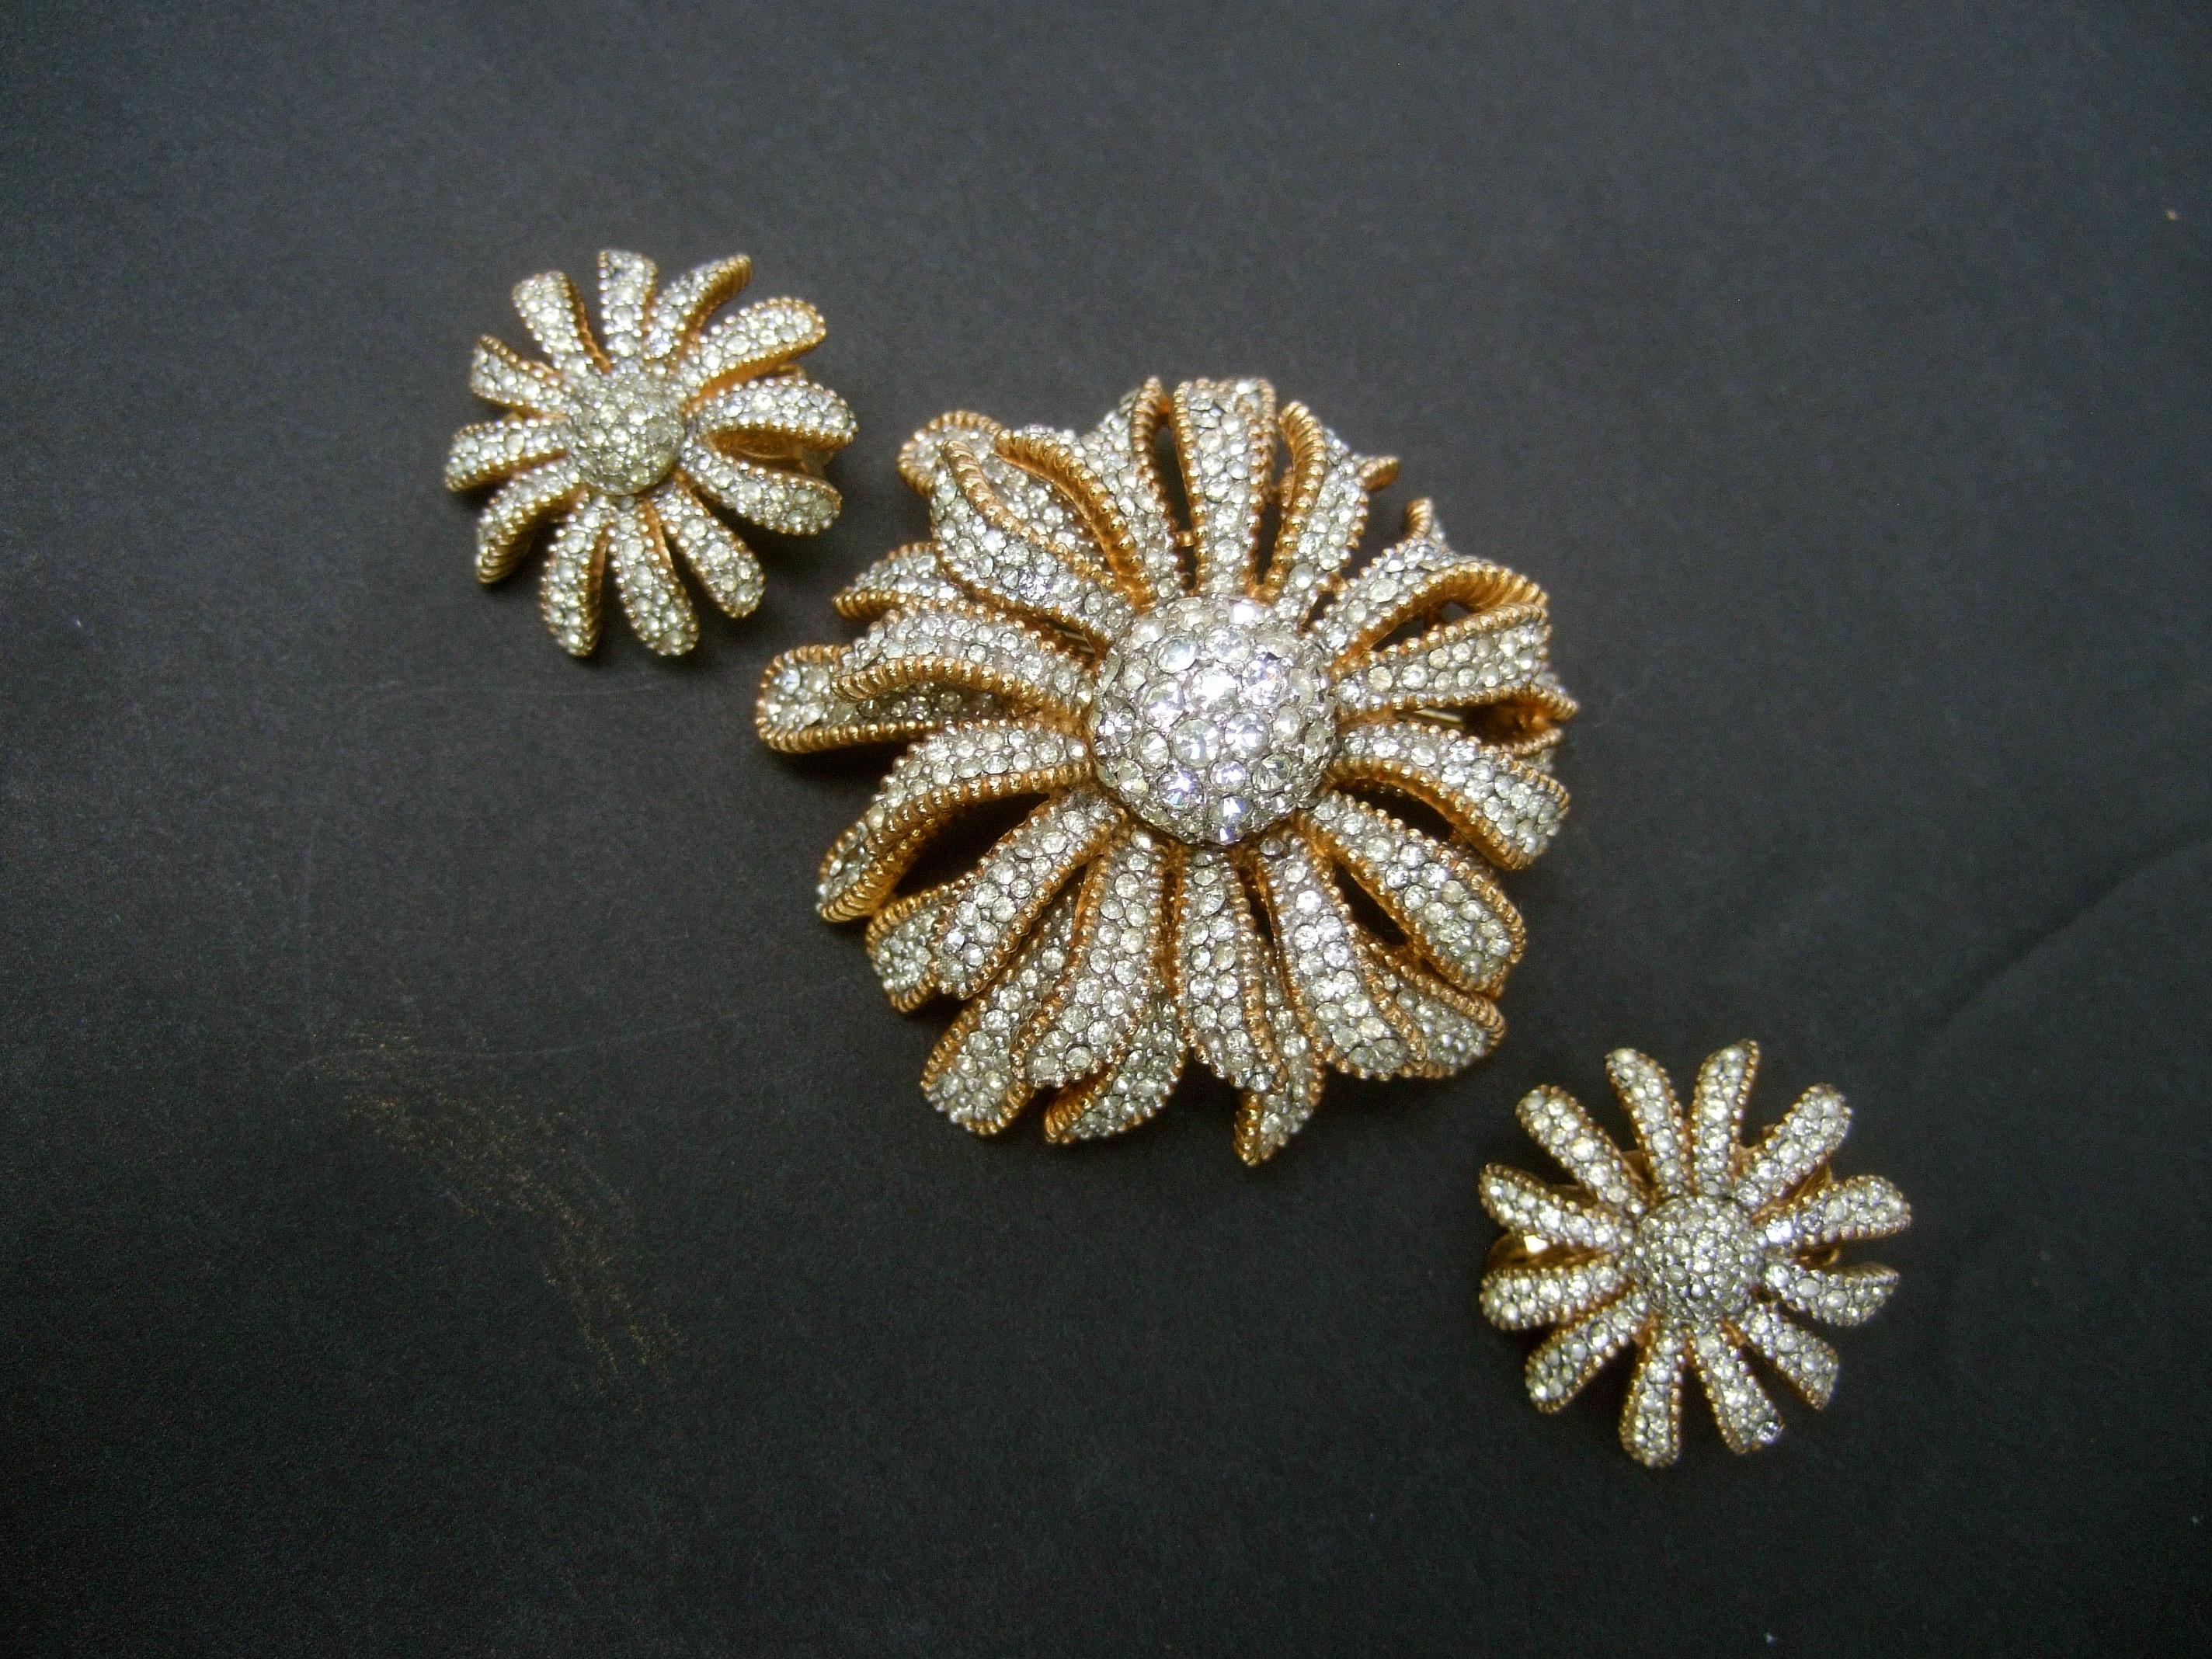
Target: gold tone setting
{"type": "Point", "coordinates": [628, 437]}
{"type": "Point", "coordinates": [1203, 871]}
{"type": "Point", "coordinates": [1690, 1249]}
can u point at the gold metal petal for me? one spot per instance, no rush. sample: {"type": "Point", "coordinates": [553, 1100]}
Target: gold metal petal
{"type": "Point", "coordinates": [1226, 437]}
{"type": "Point", "coordinates": [553, 312]}
{"type": "Point", "coordinates": [625, 291]}
{"type": "Point", "coordinates": [905, 575]}
{"type": "Point", "coordinates": [937, 778]}
{"type": "Point", "coordinates": [1505, 807]}
{"type": "Point", "coordinates": [685, 302]}
{"type": "Point", "coordinates": [503, 526]}
{"type": "Point", "coordinates": [498, 374]}
{"type": "Point", "coordinates": [495, 449]}
{"type": "Point", "coordinates": [799, 711]}
{"type": "Point", "coordinates": [654, 600]}
{"type": "Point", "coordinates": [1114, 965]}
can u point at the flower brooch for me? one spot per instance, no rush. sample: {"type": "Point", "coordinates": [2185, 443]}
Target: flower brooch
{"type": "Point", "coordinates": [1267, 798]}
{"type": "Point", "coordinates": [1692, 1250]}
{"type": "Point", "coordinates": [628, 436]}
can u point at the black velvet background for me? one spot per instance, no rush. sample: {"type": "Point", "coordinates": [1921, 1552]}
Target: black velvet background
{"type": "Point", "coordinates": [455, 1197]}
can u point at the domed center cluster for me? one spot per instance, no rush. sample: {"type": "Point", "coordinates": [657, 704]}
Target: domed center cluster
{"type": "Point", "coordinates": [624, 428]}
{"type": "Point", "coordinates": [1213, 720]}
{"type": "Point", "coordinates": [1698, 1257]}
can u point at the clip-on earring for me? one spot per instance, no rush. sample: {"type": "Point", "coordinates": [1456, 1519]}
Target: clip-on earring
{"type": "Point", "coordinates": [630, 435]}
{"type": "Point", "coordinates": [1692, 1250]}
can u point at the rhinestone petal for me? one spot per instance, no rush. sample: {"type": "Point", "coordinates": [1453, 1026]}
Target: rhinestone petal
{"type": "Point", "coordinates": [1339, 998]}
{"type": "Point", "coordinates": [1716, 1116]}
{"type": "Point", "coordinates": [1553, 1215]}
{"type": "Point", "coordinates": [1461, 921]}
{"type": "Point", "coordinates": [902, 946]}
{"type": "Point", "coordinates": [1114, 964]}
{"type": "Point", "coordinates": [1510, 810]}
{"type": "Point", "coordinates": [498, 375]}
{"type": "Point", "coordinates": [769, 496]}
{"type": "Point", "coordinates": [1521, 1297]}
{"type": "Point", "coordinates": [904, 576]}
{"type": "Point", "coordinates": [1747, 1417]}
{"type": "Point", "coordinates": [1129, 1091]}
{"type": "Point", "coordinates": [1220, 968]}
{"type": "Point", "coordinates": [1649, 1098]}
{"type": "Point", "coordinates": [1324, 510]}
{"type": "Point", "coordinates": [1576, 1352]}
{"type": "Point", "coordinates": [1865, 1206]}
{"type": "Point", "coordinates": [932, 781]}
{"type": "Point", "coordinates": [645, 576]}
{"type": "Point", "coordinates": [1416, 578]}
{"type": "Point", "coordinates": [800, 711]}
{"type": "Point", "coordinates": [1449, 1029]}
{"type": "Point", "coordinates": [1651, 1422]}
{"type": "Point", "coordinates": [568, 593]}
{"type": "Point", "coordinates": [782, 414]}
{"type": "Point", "coordinates": [625, 289]}
{"type": "Point", "coordinates": [1556, 1121]}
{"type": "Point", "coordinates": [1476, 660]}
{"type": "Point", "coordinates": [553, 312]}
{"type": "Point", "coordinates": [763, 335]}
{"type": "Point", "coordinates": [985, 546]}
{"type": "Point", "coordinates": [1225, 433]}
{"type": "Point", "coordinates": [726, 567]}
{"type": "Point", "coordinates": [673, 318]}
{"type": "Point", "coordinates": [493, 449]}
{"type": "Point", "coordinates": [975, 1076]}
{"type": "Point", "coordinates": [1119, 452]}
{"type": "Point", "coordinates": [997, 901]}
{"type": "Point", "coordinates": [1808, 1363]}
{"type": "Point", "coordinates": [503, 526]}
{"type": "Point", "coordinates": [1807, 1136]}
{"type": "Point", "coordinates": [964, 645]}
{"type": "Point", "coordinates": [1843, 1296]}
{"type": "Point", "coordinates": [1268, 1118]}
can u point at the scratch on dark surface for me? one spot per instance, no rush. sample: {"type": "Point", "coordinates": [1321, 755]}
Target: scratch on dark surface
{"type": "Point", "coordinates": [1988, 981]}
{"type": "Point", "coordinates": [508, 1164]}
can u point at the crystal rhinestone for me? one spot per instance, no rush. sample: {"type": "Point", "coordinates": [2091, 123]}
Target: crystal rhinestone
{"type": "Point", "coordinates": [1215, 872]}
{"type": "Point", "coordinates": [1697, 1257]}
{"type": "Point", "coordinates": [1214, 720]}
{"type": "Point", "coordinates": [625, 427]}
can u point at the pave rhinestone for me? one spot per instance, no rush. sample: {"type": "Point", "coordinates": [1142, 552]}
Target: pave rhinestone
{"type": "Point", "coordinates": [1690, 1253]}
{"type": "Point", "coordinates": [1204, 878]}
{"type": "Point", "coordinates": [625, 427]}
{"type": "Point", "coordinates": [1213, 720]}
{"type": "Point", "coordinates": [1698, 1256]}
{"type": "Point", "coordinates": [642, 433]}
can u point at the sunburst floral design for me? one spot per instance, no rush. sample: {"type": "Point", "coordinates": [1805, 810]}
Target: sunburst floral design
{"type": "Point", "coordinates": [1208, 735]}
{"type": "Point", "coordinates": [1692, 1250]}
{"type": "Point", "coordinates": [627, 437]}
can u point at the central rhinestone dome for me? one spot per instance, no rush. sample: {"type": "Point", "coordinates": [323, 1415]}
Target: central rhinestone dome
{"type": "Point", "coordinates": [1213, 720]}
{"type": "Point", "coordinates": [1698, 1257]}
{"type": "Point", "coordinates": [624, 428]}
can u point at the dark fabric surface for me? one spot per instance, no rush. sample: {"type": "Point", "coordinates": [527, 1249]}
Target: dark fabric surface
{"type": "Point", "coordinates": [456, 1197]}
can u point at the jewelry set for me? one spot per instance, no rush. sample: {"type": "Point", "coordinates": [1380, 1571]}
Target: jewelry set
{"type": "Point", "coordinates": [1269, 794]}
